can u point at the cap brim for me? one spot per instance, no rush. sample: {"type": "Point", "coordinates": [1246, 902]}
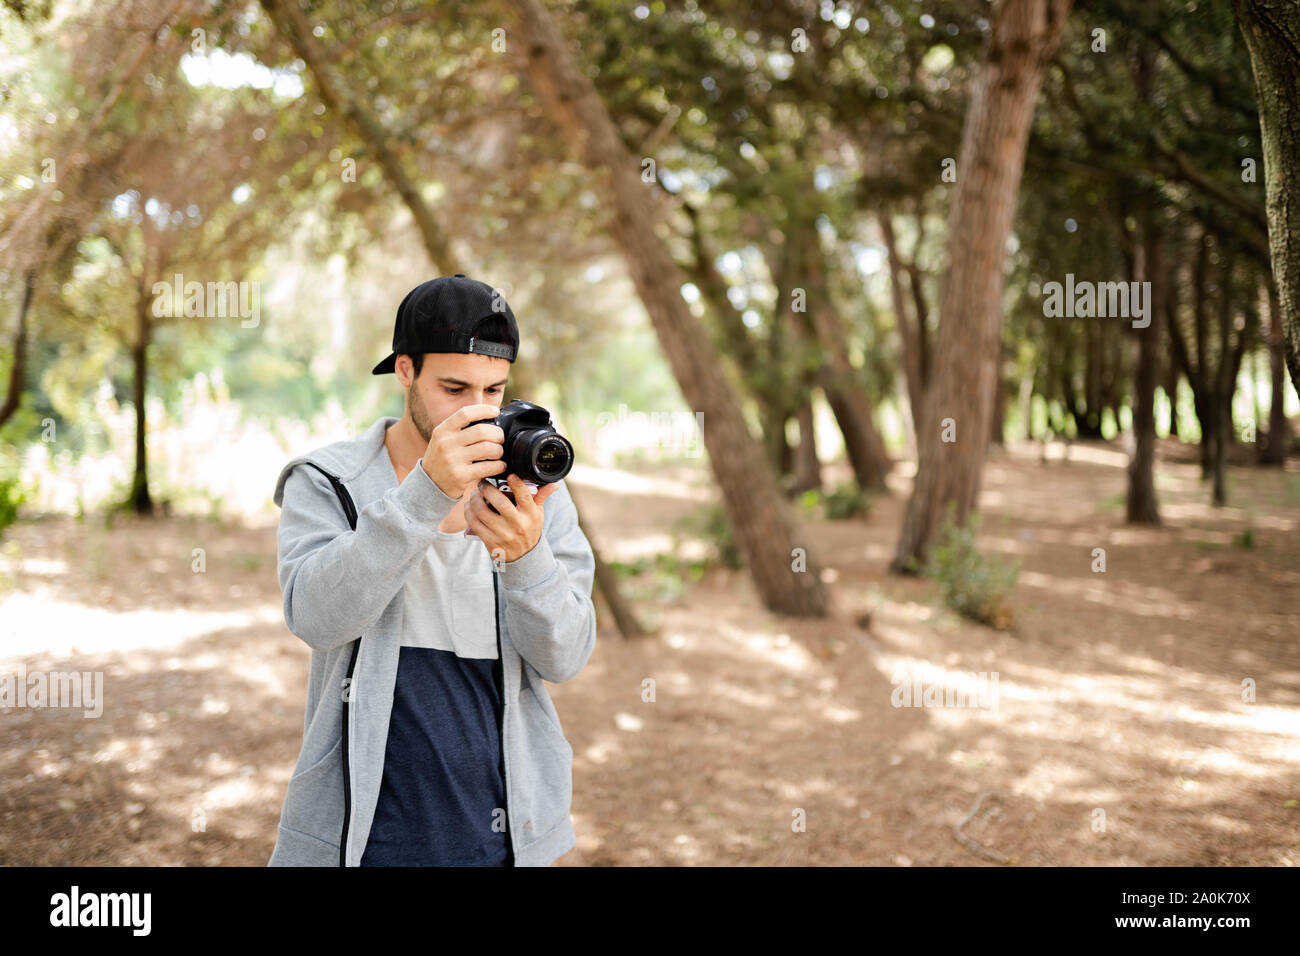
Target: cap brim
{"type": "Point", "coordinates": [387, 366]}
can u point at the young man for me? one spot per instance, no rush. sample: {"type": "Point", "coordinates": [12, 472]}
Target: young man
{"type": "Point", "coordinates": [431, 740]}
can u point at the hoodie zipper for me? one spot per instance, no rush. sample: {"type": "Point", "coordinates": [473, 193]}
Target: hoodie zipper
{"type": "Point", "coordinates": [347, 773]}
{"type": "Point", "coordinates": [501, 730]}
{"type": "Point", "coordinates": [350, 512]}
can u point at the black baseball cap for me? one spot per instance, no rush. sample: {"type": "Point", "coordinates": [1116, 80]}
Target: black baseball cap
{"type": "Point", "coordinates": [440, 315]}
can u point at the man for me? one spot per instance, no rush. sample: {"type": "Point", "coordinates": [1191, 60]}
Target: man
{"type": "Point", "coordinates": [429, 737]}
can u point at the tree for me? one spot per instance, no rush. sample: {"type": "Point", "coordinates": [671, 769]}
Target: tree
{"type": "Point", "coordinates": [749, 490]}
{"type": "Point", "coordinates": [1140, 499]}
{"type": "Point", "coordinates": [1272, 32]}
{"type": "Point", "coordinates": [164, 221]}
{"type": "Point", "coordinates": [1272, 450]}
{"type": "Point", "coordinates": [1022, 38]}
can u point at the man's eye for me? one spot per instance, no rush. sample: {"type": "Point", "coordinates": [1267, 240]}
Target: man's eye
{"type": "Point", "coordinates": [453, 391]}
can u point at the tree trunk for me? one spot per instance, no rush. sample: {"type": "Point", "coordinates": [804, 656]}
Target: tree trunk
{"type": "Point", "coordinates": [1171, 392]}
{"type": "Point", "coordinates": [844, 390]}
{"type": "Point", "coordinates": [1197, 373]}
{"type": "Point", "coordinates": [1225, 383]}
{"type": "Point", "coordinates": [1257, 423]}
{"type": "Point", "coordinates": [1272, 32]}
{"type": "Point", "coordinates": [807, 467]}
{"type": "Point", "coordinates": [787, 365]}
{"type": "Point", "coordinates": [779, 453]}
{"type": "Point", "coordinates": [1021, 40]}
{"type": "Point", "coordinates": [1141, 502]}
{"type": "Point", "coordinates": [18, 370]}
{"type": "Point", "coordinates": [1207, 409]}
{"type": "Point", "coordinates": [757, 512]}
{"type": "Point", "coordinates": [1273, 449]}
{"type": "Point", "coordinates": [922, 312]}
{"type": "Point", "coordinates": [1218, 469]}
{"type": "Point", "coordinates": [1091, 425]}
{"type": "Point", "coordinates": [607, 583]}
{"type": "Point", "coordinates": [1207, 414]}
{"type": "Point", "coordinates": [733, 338]}
{"type": "Point", "coordinates": [1027, 405]}
{"type": "Point", "coordinates": [139, 501]}
{"type": "Point", "coordinates": [862, 443]}
{"type": "Point", "coordinates": [907, 331]}
{"type": "Point", "coordinates": [999, 415]}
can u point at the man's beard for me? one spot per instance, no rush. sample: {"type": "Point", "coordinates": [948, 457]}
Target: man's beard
{"type": "Point", "coordinates": [423, 424]}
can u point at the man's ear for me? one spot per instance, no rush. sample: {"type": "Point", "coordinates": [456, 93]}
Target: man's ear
{"type": "Point", "coordinates": [409, 371]}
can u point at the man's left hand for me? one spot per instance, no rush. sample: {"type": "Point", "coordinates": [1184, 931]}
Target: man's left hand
{"type": "Point", "coordinates": [513, 530]}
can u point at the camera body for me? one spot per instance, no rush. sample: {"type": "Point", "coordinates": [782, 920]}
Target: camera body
{"type": "Point", "coordinates": [532, 448]}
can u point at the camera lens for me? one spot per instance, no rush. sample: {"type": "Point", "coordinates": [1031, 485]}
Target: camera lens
{"type": "Point", "coordinates": [552, 458]}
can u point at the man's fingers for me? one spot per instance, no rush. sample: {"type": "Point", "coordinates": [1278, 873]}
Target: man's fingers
{"type": "Point", "coordinates": [480, 506]}
{"type": "Point", "coordinates": [545, 492]}
{"type": "Point", "coordinates": [472, 413]}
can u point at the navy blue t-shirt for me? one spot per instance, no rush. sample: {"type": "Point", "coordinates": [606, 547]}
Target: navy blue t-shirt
{"type": "Point", "coordinates": [443, 797]}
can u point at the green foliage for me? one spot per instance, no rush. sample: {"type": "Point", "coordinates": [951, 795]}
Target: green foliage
{"type": "Point", "coordinates": [14, 437]}
{"type": "Point", "coordinates": [630, 569]}
{"type": "Point", "coordinates": [666, 577]}
{"type": "Point", "coordinates": [12, 490]}
{"type": "Point", "coordinates": [663, 579]}
{"type": "Point", "coordinates": [1112, 502]}
{"type": "Point", "coordinates": [249, 562]}
{"type": "Point", "coordinates": [1246, 537]}
{"type": "Point", "coordinates": [975, 586]}
{"type": "Point", "coordinates": [712, 524]}
{"type": "Point", "coordinates": [846, 500]}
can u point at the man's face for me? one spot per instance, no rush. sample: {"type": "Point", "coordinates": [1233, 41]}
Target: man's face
{"type": "Point", "coordinates": [449, 381]}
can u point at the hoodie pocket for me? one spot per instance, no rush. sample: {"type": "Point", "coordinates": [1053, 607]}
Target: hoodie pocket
{"type": "Point", "coordinates": [314, 800]}
{"type": "Point", "coordinates": [545, 764]}
{"type": "Point", "coordinates": [473, 617]}
{"type": "Point", "coordinates": [544, 702]}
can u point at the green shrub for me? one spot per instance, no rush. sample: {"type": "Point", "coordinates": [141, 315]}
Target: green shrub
{"type": "Point", "coordinates": [809, 500]}
{"type": "Point", "coordinates": [847, 500]}
{"type": "Point", "coordinates": [711, 524]}
{"type": "Point", "coordinates": [12, 493]}
{"type": "Point", "coordinates": [663, 578]}
{"type": "Point", "coordinates": [975, 586]}
{"type": "Point", "coordinates": [630, 569]}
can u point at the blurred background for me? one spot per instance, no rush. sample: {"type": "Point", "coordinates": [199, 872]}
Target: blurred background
{"type": "Point", "coordinates": [933, 346]}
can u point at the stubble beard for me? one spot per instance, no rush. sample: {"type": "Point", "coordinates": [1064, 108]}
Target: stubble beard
{"type": "Point", "coordinates": [419, 415]}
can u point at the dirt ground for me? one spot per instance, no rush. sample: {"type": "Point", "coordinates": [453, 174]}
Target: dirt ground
{"type": "Point", "coordinates": [1118, 733]}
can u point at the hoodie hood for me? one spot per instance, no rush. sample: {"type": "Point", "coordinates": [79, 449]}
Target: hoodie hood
{"type": "Point", "coordinates": [345, 459]}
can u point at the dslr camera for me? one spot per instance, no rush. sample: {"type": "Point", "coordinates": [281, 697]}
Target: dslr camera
{"type": "Point", "coordinates": [532, 448]}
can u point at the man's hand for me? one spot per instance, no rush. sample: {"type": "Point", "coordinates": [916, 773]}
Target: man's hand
{"type": "Point", "coordinates": [458, 457]}
{"type": "Point", "coordinates": [510, 532]}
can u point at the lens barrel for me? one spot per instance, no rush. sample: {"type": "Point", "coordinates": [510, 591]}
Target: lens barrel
{"type": "Point", "coordinates": [542, 456]}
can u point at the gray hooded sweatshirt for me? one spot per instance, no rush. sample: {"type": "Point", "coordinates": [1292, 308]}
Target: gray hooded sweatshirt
{"type": "Point", "coordinates": [341, 584]}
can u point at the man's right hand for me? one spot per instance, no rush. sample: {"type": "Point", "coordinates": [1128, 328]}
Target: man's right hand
{"type": "Point", "coordinates": [457, 457]}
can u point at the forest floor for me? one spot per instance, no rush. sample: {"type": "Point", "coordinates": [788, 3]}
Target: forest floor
{"type": "Point", "coordinates": [1114, 729]}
